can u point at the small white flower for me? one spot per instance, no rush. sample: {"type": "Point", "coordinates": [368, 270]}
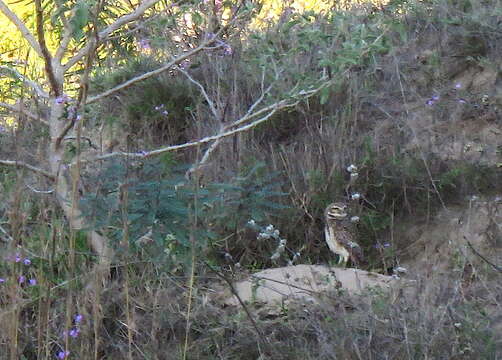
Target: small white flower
{"type": "Point", "coordinates": [355, 196]}
{"type": "Point", "coordinates": [354, 219]}
{"type": "Point", "coordinates": [400, 269]}
{"type": "Point", "coordinates": [269, 228]}
{"type": "Point", "coordinates": [263, 236]}
{"type": "Point", "coordinates": [352, 168]}
{"type": "Point", "coordinates": [282, 242]}
{"type": "Point", "coordinates": [457, 325]}
{"type": "Point", "coordinates": [276, 232]}
{"type": "Point", "coordinates": [275, 256]}
{"type": "Point", "coordinates": [237, 265]}
{"type": "Point", "coordinates": [354, 175]}
{"type": "Point", "coordinates": [251, 222]}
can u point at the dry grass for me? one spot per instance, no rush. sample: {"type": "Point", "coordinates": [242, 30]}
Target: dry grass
{"type": "Point", "coordinates": [376, 117]}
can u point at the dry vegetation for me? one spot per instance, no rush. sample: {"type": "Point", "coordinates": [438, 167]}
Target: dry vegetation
{"type": "Point", "coordinates": [415, 101]}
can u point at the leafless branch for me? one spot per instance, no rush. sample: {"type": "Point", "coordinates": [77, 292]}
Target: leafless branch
{"type": "Point", "coordinates": [147, 154]}
{"type": "Point", "coordinates": [65, 41]}
{"type": "Point", "coordinates": [110, 29]}
{"type": "Point", "coordinates": [35, 86]}
{"type": "Point", "coordinates": [269, 110]}
{"type": "Point", "coordinates": [25, 112]}
{"type": "Point", "coordinates": [215, 144]}
{"type": "Point", "coordinates": [45, 51]}
{"type": "Point", "coordinates": [65, 131]}
{"type": "Point", "coordinates": [21, 164]}
{"type": "Point", "coordinates": [21, 27]}
{"type": "Point", "coordinates": [147, 75]}
{"type": "Point", "coordinates": [88, 139]}
{"type": "Point", "coordinates": [202, 90]}
{"type": "Point", "coordinates": [496, 267]}
{"type": "Point", "coordinates": [38, 191]}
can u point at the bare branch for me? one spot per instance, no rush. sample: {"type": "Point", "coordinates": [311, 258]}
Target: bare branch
{"type": "Point", "coordinates": [269, 110]}
{"type": "Point", "coordinates": [25, 112]}
{"type": "Point", "coordinates": [35, 86]}
{"type": "Point", "coordinates": [496, 267]}
{"type": "Point", "coordinates": [21, 164]}
{"type": "Point", "coordinates": [88, 139]}
{"type": "Point", "coordinates": [65, 41]}
{"type": "Point", "coordinates": [65, 131]}
{"type": "Point", "coordinates": [202, 90]}
{"type": "Point", "coordinates": [38, 191]}
{"type": "Point", "coordinates": [147, 75]}
{"type": "Point", "coordinates": [21, 27]}
{"type": "Point", "coordinates": [110, 29]}
{"type": "Point", "coordinates": [56, 89]}
{"type": "Point", "coordinates": [215, 144]}
{"type": "Point", "coordinates": [147, 154]}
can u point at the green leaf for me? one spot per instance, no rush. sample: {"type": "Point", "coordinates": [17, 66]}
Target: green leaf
{"type": "Point", "coordinates": [79, 20]}
{"type": "Point", "coordinates": [324, 95]}
{"type": "Point", "coordinates": [197, 19]}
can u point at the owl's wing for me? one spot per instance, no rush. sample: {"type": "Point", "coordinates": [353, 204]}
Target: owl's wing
{"type": "Point", "coordinates": [345, 238]}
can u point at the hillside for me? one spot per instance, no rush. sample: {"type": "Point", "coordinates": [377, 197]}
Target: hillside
{"type": "Point", "coordinates": [163, 193]}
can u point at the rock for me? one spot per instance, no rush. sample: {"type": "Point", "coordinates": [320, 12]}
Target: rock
{"type": "Point", "coordinates": [303, 282]}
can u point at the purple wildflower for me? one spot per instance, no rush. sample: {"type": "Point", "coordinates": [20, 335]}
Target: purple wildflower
{"type": "Point", "coordinates": [78, 318]}
{"type": "Point", "coordinates": [62, 99]}
{"type": "Point", "coordinates": [17, 258]}
{"type": "Point", "coordinates": [2, 280]}
{"type": "Point", "coordinates": [435, 98]}
{"type": "Point", "coordinates": [458, 85]}
{"type": "Point", "coordinates": [386, 244]}
{"type": "Point", "coordinates": [74, 332]}
{"type": "Point", "coordinates": [429, 102]}
{"type": "Point", "coordinates": [228, 50]}
{"type": "Point", "coordinates": [144, 44]}
{"type": "Point", "coordinates": [21, 279]}
{"type": "Point", "coordinates": [72, 110]}
{"type": "Point", "coordinates": [462, 101]}
{"type": "Point", "coordinates": [32, 282]}
{"type": "Point", "coordinates": [27, 261]}
{"type": "Point", "coordinates": [63, 354]}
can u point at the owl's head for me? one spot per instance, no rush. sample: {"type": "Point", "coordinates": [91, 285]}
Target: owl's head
{"type": "Point", "coordinates": [336, 211]}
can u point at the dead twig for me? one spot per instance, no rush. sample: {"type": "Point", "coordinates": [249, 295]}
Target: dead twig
{"type": "Point", "coordinates": [496, 267]}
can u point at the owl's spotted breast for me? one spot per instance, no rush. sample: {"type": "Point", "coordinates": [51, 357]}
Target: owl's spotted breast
{"type": "Point", "coordinates": [339, 238]}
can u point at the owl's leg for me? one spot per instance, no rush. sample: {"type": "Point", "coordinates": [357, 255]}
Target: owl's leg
{"type": "Point", "coordinates": [342, 259]}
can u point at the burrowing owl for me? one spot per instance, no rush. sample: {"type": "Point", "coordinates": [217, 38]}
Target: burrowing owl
{"type": "Point", "coordinates": [338, 235]}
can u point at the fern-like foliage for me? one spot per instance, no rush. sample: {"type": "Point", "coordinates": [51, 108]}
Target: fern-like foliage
{"type": "Point", "coordinates": [163, 210]}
